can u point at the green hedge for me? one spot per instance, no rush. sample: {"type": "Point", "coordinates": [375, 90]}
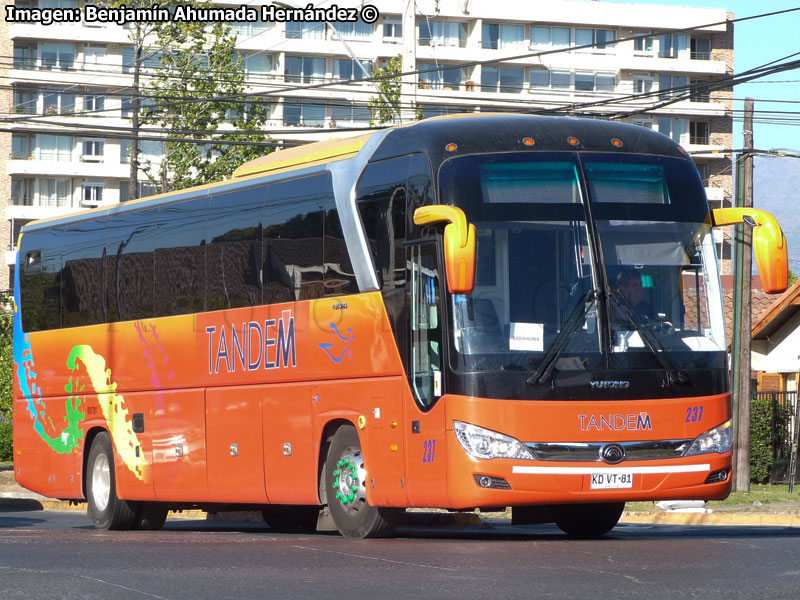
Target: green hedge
{"type": "Point", "coordinates": [6, 453]}
{"type": "Point", "coordinates": [762, 436]}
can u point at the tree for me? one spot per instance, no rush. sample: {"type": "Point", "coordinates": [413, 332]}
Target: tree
{"type": "Point", "coordinates": [384, 107]}
{"type": "Point", "coordinates": [195, 86]}
{"type": "Point", "coordinates": [6, 359]}
{"type": "Point", "coordinates": [198, 88]}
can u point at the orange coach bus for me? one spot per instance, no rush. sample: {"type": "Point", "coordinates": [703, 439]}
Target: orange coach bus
{"type": "Point", "coordinates": [473, 311]}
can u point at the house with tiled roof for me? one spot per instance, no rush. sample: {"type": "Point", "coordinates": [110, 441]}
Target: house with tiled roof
{"type": "Point", "coordinates": [775, 351]}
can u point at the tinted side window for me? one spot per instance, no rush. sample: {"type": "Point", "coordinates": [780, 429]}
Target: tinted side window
{"type": "Point", "coordinates": [339, 276]}
{"type": "Point", "coordinates": [180, 260]}
{"type": "Point", "coordinates": [293, 234]}
{"type": "Point", "coordinates": [130, 243]}
{"type": "Point", "coordinates": [420, 190]}
{"type": "Point", "coordinates": [381, 194]}
{"type": "Point", "coordinates": [40, 281]}
{"type": "Point", "coordinates": [234, 249]}
{"type": "Point", "coordinates": [84, 273]}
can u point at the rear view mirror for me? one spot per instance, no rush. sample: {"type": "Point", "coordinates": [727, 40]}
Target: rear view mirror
{"type": "Point", "coordinates": [769, 244]}
{"type": "Point", "coordinates": [459, 244]}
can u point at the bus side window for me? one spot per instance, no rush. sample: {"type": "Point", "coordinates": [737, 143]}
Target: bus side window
{"type": "Point", "coordinates": [426, 333]}
{"type": "Point", "coordinates": [293, 236]}
{"type": "Point", "coordinates": [40, 283]}
{"type": "Point", "coordinates": [82, 298]}
{"type": "Point", "coordinates": [233, 263]}
{"type": "Point", "coordinates": [130, 246]}
{"type": "Point", "coordinates": [180, 259]}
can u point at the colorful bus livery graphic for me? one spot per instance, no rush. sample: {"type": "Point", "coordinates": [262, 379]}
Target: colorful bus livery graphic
{"type": "Point", "coordinates": [434, 315]}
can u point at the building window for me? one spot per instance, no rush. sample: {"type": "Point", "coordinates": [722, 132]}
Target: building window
{"type": "Point", "coordinates": [673, 127]}
{"type": "Point", "coordinates": [550, 37]}
{"type": "Point", "coordinates": [92, 194]}
{"type": "Point", "coordinates": [126, 107]}
{"type": "Point", "coordinates": [296, 30]}
{"type": "Point", "coordinates": [354, 31]}
{"type": "Point", "coordinates": [57, 56]}
{"type": "Point", "coordinates": [22, 191]}
{"type": "Point", "coordinates": [646, 122]}
{"type": "Point", "coordinates": [22, 146]}
{"type": "Point", "coordinates": [602, 39]}
{"type": "Point", "coordinates": [507, 80]}
{"type": "Point", "coordinates": [556, 80]}
{"type": "Point", "coordinates": [496, 35]}
{"type": "Point", "coordinates": [442, 33]}
{"type": "Point", "coordinates": [304, 113]}
{"type": "Point", "coordinates": [93, 150]}
{"type": "Point", "coordinates": [257, 64]}
{"type": "Point", "coordinates": [94, 54]}
{"type": "Point", "coordinates": [393, 31]}
{"type": "Point", "coordinates": [56, 148]}
{"type": "Point", "coordinates": [25, 102]}
{"type": "Point", "coordinates": [705, 172]}
{"type": "Point", "coordinates": [24, 56]}
{"type": "Point", "coordinates": [644, 44]}
{"type": "Point", "coordinates": [347, 68]}
{"type": "Point", "coordinates": [55, 192]}
{"type": "Point", "coordinates": [642, 84]}
{"type": "Point", "coordinates": [700, 90]}
{"type": "Point", "coordinates": [701, 49]}
{"type": "Point", "coordinates": [673, 45]}
{"type": "Point", "coordinates": [94, 102]}
{"type": "Point", "coordinates": [246, 29]}
{"type": "Point", "coordinates": [594, 82]}
{"type": "Point", "coordinates": [672, 86]}
{"type": "Point", "coordinates": [438, 77]}
{"type": "Point", "coordinates": [699, 132]}
{"type": "Point", "coordinates": [304, 69]}
{"type": "Point", "coordinates": [346, 112]}
{"type": "Point", "coordinates": [58, 103]}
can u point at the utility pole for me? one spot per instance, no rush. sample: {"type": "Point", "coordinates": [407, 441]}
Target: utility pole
{"type": "Point", "coordinates": [409, 63]}
{"type": "Point", "coordinates": [742, 322]}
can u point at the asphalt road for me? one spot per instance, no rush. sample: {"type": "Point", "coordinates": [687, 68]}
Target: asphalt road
{"type": "Point", "coordinates": [49, 554]}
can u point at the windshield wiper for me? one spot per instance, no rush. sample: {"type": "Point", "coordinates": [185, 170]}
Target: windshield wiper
{"type": "Point", "coordinates": [674, 372]}
{"type": "Point", "coordinates": [578, 314]}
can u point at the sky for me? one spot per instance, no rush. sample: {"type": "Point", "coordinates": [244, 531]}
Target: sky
{"type": "Point", "coordinates": [757, 42]}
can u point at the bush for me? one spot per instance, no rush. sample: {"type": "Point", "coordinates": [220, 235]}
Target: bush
{"type": "Point", "coordinates": [6, 444]}
{"type": "Point", "coordinates": [768, 423]}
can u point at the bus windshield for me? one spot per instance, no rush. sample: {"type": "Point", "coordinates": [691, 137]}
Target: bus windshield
{"type": "Point", "coordinates": [594, 261]}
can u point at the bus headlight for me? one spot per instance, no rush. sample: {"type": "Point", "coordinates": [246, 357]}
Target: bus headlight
{"type": "Point", "coordinates": [484, 443]}
{"type": "Point", "coordinates": [719, 439]}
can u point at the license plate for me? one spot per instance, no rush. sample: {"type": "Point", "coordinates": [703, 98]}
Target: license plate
{"type": "Point", "coordinates": [612, 481]}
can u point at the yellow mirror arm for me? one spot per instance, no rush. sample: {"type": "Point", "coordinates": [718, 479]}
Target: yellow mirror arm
{"type": "Point", "coordinates": [750, 216]}
{"type": "Point", "coordinates": [441, 213]}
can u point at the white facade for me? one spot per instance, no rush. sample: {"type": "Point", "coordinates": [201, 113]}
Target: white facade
{"type": "Point", "coordinates": [69, 83]}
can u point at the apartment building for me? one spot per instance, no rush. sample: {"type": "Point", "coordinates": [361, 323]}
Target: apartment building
{"type": "Point", "coordinates": [70, 85]}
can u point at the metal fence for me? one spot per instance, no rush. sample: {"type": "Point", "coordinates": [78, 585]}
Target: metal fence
{"type": "Point", "coordinates": [785, 417]}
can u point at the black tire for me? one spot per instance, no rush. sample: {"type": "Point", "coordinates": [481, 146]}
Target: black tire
{"type": "Point", "coordinates": [105, 509]}
{"type": "Point", "coordinates": [586, 521]}
{"type": "Point", "coordinates": [151, 516]}
{"type": "Point", "coordinates": [345, 478]}
{"type": "Point", "coordinates": [291, 519]}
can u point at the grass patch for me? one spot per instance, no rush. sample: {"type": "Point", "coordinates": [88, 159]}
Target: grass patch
{"type": "Point", "coordinates": [765, 494]}
{"type": "Point", "coordinates": [6, 465]}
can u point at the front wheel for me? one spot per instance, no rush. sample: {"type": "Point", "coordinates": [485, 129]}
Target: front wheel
{"type": "Point", "coordinates": [587, 520]}
{"type": "Point", "coordinates": [105, 509]}
{"type": "Point", "coordinates": [346, 478]}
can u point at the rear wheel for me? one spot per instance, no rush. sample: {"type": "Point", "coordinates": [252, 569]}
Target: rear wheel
{"type": "Point", "coordinates": [347, 490]}
{"type": "Point", "coordinates": [587, 520]}
{"type": "Point", "coordinates": [105, 509]}
{"type": "Point", "coordinates": [291, 518]}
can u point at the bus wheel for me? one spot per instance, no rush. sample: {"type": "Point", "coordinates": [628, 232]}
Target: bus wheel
{"type": "Point", "coordinates": [291, 518]}
{"type": "Point", "coordinates": [151, 516]}
{"type": "Point", "coordinates": [105, 509]}
{"type": "Point", "coordinates": [347, 490]}
{"type": "Point", "coordinates": [587, 520]}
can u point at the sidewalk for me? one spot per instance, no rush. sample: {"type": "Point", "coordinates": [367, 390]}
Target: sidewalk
{"type": "Point", "coordinates": [14, 497]}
